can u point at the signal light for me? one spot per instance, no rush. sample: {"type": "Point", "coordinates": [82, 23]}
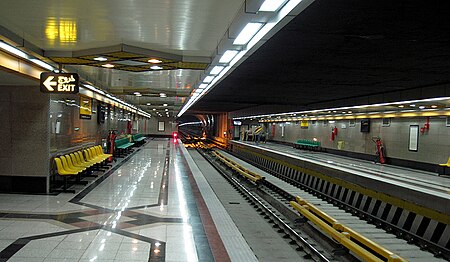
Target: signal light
{"type": "Point", "coordinates": [175, 135]}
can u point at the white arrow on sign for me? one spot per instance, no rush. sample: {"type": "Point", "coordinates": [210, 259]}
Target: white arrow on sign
{"type": "Point", "coordinates": [48, 83]}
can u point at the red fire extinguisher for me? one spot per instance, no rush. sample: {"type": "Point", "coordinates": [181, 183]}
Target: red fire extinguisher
{"type": "Point", "coordinates": [334, 133]}
{"type": "Point", "coordinates": [380, 155]}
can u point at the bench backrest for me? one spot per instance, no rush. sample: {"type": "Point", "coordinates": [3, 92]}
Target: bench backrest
{"type": "Point", "coordinates": [311, 142]}
{"type": "Point", "coordinates": [121, 141]}
{"type": "Point", "coordinates": [137, 136]}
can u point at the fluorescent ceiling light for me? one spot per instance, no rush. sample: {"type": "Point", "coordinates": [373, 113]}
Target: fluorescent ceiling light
{"type": "Point", "coordinates": [247, 33]}
{"type": "Point", "coordinates": [154, 61]}
{"type": "Point", "coordinates": [42, 64]}
{"type": "Point", "coordinates": [202, 86]}
{"type": "Point", "coordinates": [13, 50]}
{"type": "Point", "coordinates": [136, 93]}
{"type": "Point", "coordinates": [271, 5]}
{"type": "Point", "coordinates": [208, 79]}
{"type": "Point", "coordinates": [155, 67]}
{"type": "Point", "coordinates": [92, 88]}
{"type": "Point", "coordinates": [164, 104]}
{"type": "Point", "coordinates": [216, 70]}
{"type": "Point", "coordinates": [228, 56]}
{"type": "Point", "coordinates": [101, 59]}
{"type": "Point", "coordinates": [108, 65]}
{"type": "Point", "coordinates": [162, 95]}
{"type": "Point", "coordinates": [149, 104]}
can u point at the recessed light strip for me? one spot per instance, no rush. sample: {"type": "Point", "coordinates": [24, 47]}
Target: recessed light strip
{"type": "Point", "coordinates": [271, 5]}
{"type": "Point", "coordinates": [349, 107]}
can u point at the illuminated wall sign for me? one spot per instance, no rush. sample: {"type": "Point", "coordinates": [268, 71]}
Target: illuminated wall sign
{"type": "Point", "coordinates": [304, 124]}
{"type": "Point", "coordinates": [67, 83]}
{"type": "Point", "coordinates": [85, 107]}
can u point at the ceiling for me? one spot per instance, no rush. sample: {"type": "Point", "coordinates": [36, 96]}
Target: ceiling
{"type": "Point", "coordinates": [183, 34]}
{"type": "Point", "coordinates": [334, 53]}
{"type": "Point", "coordinates": [345, 52]}
{"type": "Point", "coordinates": [182, 27]}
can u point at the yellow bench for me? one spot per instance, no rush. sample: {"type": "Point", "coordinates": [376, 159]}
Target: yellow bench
{"type": "Point", "coordinates": [75, 164]}
{"type": "Point", "coordinates": [444, 166]}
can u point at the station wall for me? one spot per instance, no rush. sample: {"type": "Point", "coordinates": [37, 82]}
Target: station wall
{"type": "Point", "coordinates": [154, 125]}
{"type": "Point", "coordinates": [35, 127]}
{"type": "Point", "coordinates": [433, 145]}
{"type": "Point", "coordinates": [24, 139]}
{"type": "Point", "coordinates": [69, 132]}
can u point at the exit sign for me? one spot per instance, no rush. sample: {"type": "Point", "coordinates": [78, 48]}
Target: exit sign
{"type": "Point", "coordinates": [67, 83]}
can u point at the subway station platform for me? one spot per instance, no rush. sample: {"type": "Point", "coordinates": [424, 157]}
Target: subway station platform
{"type": "Point", "coordinates": [154, 205]}
{"type": "Point", "coordinates": [408, 177]}
{"type": "Point", "coordinates": [413, 180]}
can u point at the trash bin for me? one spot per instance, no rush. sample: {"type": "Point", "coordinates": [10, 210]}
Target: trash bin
{"type": "Point", "coordinates": [340, 145]}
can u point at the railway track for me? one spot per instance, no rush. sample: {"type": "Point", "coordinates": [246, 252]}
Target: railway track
{"type": "Point", "coordinates": [293, 210]}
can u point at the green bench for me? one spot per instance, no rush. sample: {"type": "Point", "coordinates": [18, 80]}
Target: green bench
{"type": "Point", "coordinates": [122, 145]}
{"type": "Point", "coordinates": [139, 138]}
{"type": "Point", "coordinates": [307, 144]}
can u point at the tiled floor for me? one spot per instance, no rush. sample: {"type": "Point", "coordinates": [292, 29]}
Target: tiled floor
{"type": "Point", "coordinates": [142, 210]}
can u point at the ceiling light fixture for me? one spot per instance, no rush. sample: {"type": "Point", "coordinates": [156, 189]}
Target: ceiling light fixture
{"type": "Point", "coordinates": [247, 33]}
{"type": "Point", "coordinates": [162, 95]}
{"type": "Point", "coordinates": [108, 65]}
{"type": "Point", "coordinates": [92, 88]}
{"type": "Point", "coordinates": [155, 67]}
{"type": "Point", "coordinates": [149, 104]}
{"type": "Point", "coordinates": [434, 106]}
{"type": "Point", "coordinates": [216, 70]}
{"type": "Point", "coordinates": [164, 104]}
{"type": "Point", "coordinates": [421, 107]}
{"type": "Point", "coordinates": [136, 93]}
{"type": "Point", "coordinates": [42, 64]}
{"type": "Point", "coordinates": [228, 56]}
{"type": "Point", "coordinates": [154, 61]}
{"type": "Point", "coordinates": [101, 59]}
{"type": "Point", "coordinates": [208, 79]}
{"type": "Point", "coordinates": [271, 5]}
{"type": "Point", "coordinates": [13, 50]}
{"type": "Point", "coordinates": [412, 105]}
{"type": "Point", "coordinates": [401, 106]}
{"type": "Point", "coordinates": [154, 109]}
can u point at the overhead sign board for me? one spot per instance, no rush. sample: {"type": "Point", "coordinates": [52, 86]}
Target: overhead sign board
{"type": "Point", "coordinates": [67, 83]}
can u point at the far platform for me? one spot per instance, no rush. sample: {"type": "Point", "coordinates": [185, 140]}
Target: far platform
{"type": "Point", "coordinates": [420, 187]}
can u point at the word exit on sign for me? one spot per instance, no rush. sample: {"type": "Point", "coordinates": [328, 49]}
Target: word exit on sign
{"type": "Point", "coordinates": [67, 83]}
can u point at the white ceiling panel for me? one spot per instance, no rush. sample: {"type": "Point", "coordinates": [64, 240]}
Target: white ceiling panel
{"type": "Point", "coordinates": [184, 27]}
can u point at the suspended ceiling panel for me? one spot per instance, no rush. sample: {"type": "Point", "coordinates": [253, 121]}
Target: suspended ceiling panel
{"type": "Point", "coordinates": [127, 58]}
{"type": "Point", "coordinates": [183, 27]}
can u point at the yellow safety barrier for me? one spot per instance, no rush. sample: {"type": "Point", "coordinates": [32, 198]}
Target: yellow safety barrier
{"type": "Point", "coordinates": [343, 234]}
{"type": "Point", "coordinates": [233, 165]}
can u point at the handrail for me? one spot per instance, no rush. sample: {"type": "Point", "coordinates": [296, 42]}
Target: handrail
{"type": "Point", "coordinates": [236, 167]}
{"type": "Point", "coordinates": [343, 234]}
